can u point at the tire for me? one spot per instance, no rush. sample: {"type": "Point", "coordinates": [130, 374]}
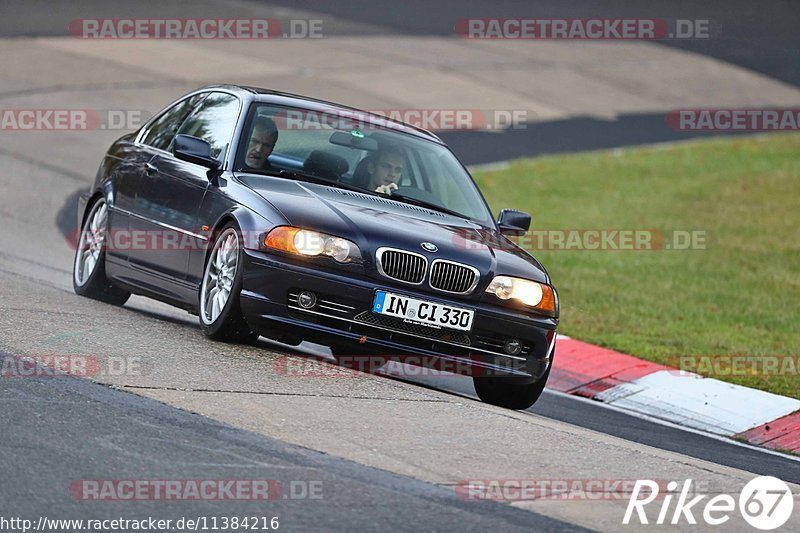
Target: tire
{"type": "Point", "coordinates": [89, 267]}
{"type": "Point", "coordinates": [219, 309]}
{"type": "Point", "coordinates": [502, 392]}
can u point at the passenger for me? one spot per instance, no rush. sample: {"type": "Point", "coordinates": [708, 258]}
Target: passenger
{"type": "Point", "coordinates": [385, 170]}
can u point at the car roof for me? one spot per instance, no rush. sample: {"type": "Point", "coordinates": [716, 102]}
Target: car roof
{"type": "Point", "coordinates": [324, 107]}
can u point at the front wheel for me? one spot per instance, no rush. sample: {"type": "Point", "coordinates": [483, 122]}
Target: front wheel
{"type": "Point", "coordinates": [220, 311]}
{"type": "Point", "coordinates": [89, 268]}
{"type": "Point", "coordinates": [504, 393]}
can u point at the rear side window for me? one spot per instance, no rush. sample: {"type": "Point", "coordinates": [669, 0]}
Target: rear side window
{"type": "Point", "coordinates": [214, 121]}
{"type": "Point", "coordinates": [163, 130]}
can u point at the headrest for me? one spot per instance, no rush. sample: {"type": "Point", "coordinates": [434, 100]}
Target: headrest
{"type": "Point", "coordinates": [325, 164]}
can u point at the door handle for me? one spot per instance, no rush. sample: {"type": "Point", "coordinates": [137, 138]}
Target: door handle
{"type": "Point", "coordinates": [151, 169]}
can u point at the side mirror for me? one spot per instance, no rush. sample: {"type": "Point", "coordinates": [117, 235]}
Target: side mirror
{"type": "Point", "coordinates": [513, 222]}
{"type": "Point", "coordinates": [194, 150]}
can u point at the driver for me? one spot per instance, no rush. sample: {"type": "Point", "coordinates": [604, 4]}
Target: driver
{"type": "Point", "coordinates": [385, 170]}
{"type": "Point", "coordinates": [263, 137]}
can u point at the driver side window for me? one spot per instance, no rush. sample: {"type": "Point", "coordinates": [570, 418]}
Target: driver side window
{"type": "Point", "coordinates": [163, 130]}
{"type": "Point", "coordinates": [214, 121]}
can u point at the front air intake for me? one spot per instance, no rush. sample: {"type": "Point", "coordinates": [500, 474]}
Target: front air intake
{"type": "Point", "coordinates": [453, 277]}
{"type": "Point", "coordinates": [401, 265]}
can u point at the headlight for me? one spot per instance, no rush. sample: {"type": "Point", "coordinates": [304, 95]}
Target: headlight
{"type": "Point", "coordinates": [312, 243]}
{"type": "Point", "coordinates": [533, 294]}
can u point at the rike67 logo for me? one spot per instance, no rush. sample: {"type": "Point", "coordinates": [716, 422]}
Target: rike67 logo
{"type": "Point", "coordinates": [766, 503]}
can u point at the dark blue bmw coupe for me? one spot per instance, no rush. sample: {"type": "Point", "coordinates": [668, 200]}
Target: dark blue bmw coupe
{"type": "Point", "coordinates": [273, 214]}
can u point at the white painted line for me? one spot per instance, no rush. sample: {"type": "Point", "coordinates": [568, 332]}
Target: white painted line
{"type": "Point", "coordinates": [700, 403]}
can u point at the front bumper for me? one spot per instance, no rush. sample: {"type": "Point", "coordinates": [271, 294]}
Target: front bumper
{"type": "Point", "coordinates": [342, 317]}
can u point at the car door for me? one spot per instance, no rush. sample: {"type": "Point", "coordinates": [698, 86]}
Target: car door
{"type": "Point", "coordinates": [124, 167]}
{"type": "Point", "coordinates": [170, 194]}
{"type": "Point", "coordinates": [129, 161]}
{"type": "Point", "coordinates": [154, 139]}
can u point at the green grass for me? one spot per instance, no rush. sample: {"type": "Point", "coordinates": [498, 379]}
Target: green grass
{"type": "Point", "coordinates": [739, 296]}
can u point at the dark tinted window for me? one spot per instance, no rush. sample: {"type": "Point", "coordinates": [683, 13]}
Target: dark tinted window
{"type": "Point", "coordinates": [214, 121]}
{"type": "Point", "coordinates": [162, 131]}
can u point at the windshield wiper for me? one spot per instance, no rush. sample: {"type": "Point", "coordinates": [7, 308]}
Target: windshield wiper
{"type": "Point", "coordinates": [428, 205]}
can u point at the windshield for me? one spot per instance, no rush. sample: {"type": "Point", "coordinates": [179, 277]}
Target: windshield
{"type": "Point", "coordinates": [358, 151]}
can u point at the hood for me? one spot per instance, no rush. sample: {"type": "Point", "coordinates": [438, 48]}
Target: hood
{"type": "Point", "coordinates": [373, 222]}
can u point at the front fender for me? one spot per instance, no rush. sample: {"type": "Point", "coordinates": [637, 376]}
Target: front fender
{"type": "Point", "coordinates": [252, 224]}
{"type": "Point", "coordinates": [216, 211]}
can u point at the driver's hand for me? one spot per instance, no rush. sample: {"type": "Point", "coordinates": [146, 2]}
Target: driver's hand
{"type": "Point", "coordinates": [387, 189]}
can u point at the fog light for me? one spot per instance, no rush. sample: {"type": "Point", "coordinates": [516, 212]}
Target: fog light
{"type": "Point", "coordinates": [513, 347]}
{"type": "Point", "coordinates": [306, 299]}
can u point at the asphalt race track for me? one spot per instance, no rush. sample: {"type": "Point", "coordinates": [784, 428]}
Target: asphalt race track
{"type": "Point", "coordinates": [143, 437]}
{"type": "Point", "coordinates": [351, 453]}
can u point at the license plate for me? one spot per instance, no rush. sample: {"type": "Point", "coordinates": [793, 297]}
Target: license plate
{"type": "Point", "coordinates": [421, 312]}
